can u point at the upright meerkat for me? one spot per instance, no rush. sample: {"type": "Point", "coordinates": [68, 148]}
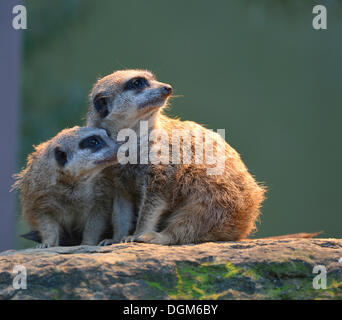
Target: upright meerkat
{"type": "Point", "coordinates": [64, 189]}
{"type": "Point", "coordinates": [170, 203]}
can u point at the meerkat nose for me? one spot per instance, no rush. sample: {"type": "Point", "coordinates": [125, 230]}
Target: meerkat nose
{"type": "Point", "coordinates": [167, 90]}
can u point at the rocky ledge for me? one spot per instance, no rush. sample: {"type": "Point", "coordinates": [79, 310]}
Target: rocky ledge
{"type": "Point", "coordinates": [256, 269]}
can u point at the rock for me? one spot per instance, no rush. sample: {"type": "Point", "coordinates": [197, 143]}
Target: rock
{"type": "Point", "coordinates": [256, 269]}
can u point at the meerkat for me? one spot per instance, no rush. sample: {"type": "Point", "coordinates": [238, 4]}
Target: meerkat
{"type": "Point", "coordinates": [64, 189]}
{"type": "Point", "coordinates": [170, 203]}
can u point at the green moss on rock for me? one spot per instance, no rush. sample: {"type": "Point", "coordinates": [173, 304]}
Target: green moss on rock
{"type": "Point", "coordinates": [213, 280]}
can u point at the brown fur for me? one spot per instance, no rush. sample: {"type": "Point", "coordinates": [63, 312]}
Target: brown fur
{"type": "Point", "coordinates": [167, 203]}
{"type": "Point", "coordinates": [69, 199]}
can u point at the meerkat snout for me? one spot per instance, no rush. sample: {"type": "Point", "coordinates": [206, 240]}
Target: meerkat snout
{"type": "Point", "coordinates": [167, 89]}
{"type": "Point", "coordinates": [155, 96]}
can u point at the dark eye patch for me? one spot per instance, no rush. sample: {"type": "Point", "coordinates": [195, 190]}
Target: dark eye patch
{"type": "Point", "coordinates": [101, 105]}
{"type": "Point", "coordinates": [136, 83]}
{"type": "Point", "coordinates": [61, 157]}
{"type": "Point", "coordinates": [94, 143]}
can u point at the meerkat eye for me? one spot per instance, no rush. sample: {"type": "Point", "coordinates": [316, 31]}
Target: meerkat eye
{"type": "Point", "coordinates": [61, 157]}
{"type": "Point", "coordinates": [93, 143]}
{"type": "Point", "coordinates": [101, 106]}
{"type": "Point", "coordinates": [136, 83]}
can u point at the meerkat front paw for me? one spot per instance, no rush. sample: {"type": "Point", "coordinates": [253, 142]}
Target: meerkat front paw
{"type": "Point", "coordinates": [43, 246]}
{"type": "Point", "coordinates": [153, 237]}
{"type": "Point", "coordinates": [129, 239]}
{"type": "Point", "coordinates": [107, 242]}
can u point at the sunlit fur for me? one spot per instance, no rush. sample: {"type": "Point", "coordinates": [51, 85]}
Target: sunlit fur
{"type": "Point", "coordinates": [173, 204]}
{"type": "Point", "coordinates": [74, 198]}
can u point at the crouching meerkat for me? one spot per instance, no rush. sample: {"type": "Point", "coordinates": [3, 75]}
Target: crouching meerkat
{"type": "Point", "coordinates": [64, 189]}
{"type": "Point", "coordinates": [170, 203]}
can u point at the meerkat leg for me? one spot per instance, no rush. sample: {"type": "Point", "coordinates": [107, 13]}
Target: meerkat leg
{"type": "Point", "coordinates": [122, 219]}
{"type": "Point", "coordinates": [49, 230]}
{"type": "Point", "coordinates": [94, 228]}
{"type": "Point", "coordinates": [189, 224]}
{"type": "Point", "coordinates": [151, 209]}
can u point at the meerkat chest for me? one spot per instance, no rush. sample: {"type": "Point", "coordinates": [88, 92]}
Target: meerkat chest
{"type": "Point", "coordinates": [75, 204]}
{"type": "Point", "coordinates": [129, 177]}
{"type": "Point", "coordinates": [75, 217]}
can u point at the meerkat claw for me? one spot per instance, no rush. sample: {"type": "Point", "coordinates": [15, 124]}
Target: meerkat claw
{"type": "Point", "coordinates": [153, 237]}
{"type": "Point", "coordinates": [42, 246]}
{"type": "Point", "coordinates": [146, 237]}
{"type": "Point", "coordinates": [106, 242]}
{"type": "Point", "coordinates": [128, 239]}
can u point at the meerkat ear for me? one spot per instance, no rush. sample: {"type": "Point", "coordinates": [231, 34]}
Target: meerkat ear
{"type": "Point", "coordinates": [101, 106]}
{"type": "Point", "coordinates": [61, 157]}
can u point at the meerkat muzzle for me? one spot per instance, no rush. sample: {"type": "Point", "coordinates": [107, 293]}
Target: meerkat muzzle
{"type": "Point", "coordinates": [167, 90]}
{"type": "Point", "coordinates": [158, 97]}
{"type": "Point", "coordinates": [108, 159]}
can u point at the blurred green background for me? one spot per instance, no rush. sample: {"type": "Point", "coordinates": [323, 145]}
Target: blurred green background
{"type": "Point", "coordinates": [256, 68]}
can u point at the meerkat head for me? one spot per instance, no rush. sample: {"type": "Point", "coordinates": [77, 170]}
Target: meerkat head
{"type": "Point", "coordinates": [125, 97]}
{"type": "Point", "coordinates": [72, 155]}
{"type": "Point", "coordinates": [81, 151]}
